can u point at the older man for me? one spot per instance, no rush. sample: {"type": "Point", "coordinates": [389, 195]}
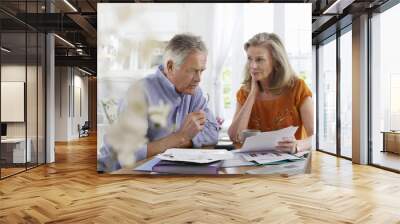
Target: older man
{"type": "Point", "coordinates": [176, 83]}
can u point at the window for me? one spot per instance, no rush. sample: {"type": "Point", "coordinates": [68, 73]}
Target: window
{"type": "Point", "coordinates": [22, 65]}
{"type": "Point", "coordinates": [346, 94]}
{"type": "Point", "coordinates": [385, 84]}
{"type": "Point", "coordinates": [291, 22]}
{"type": "Point", "coordinates": [327, 97]}
{"type": "Point", "coordinates": [298, 41]}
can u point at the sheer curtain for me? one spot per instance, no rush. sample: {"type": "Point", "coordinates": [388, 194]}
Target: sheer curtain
{"type": "Point", "coordinates": [227, 22]}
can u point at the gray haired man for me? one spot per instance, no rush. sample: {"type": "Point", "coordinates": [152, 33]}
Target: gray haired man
{"type": "Point", "coordinates": [176, 83]}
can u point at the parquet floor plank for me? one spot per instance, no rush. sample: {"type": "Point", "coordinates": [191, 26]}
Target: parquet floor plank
{"type": "Point", "coordinates": [71, 191]}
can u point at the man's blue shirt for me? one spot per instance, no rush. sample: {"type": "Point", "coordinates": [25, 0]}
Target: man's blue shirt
{"type": "Point", "coordinates": [158, 89]}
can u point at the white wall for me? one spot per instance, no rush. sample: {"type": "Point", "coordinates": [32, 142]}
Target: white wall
{"type": "Point", "coordinates": [33, 126]}
{"type": "Point", "coordinates": [16, 73]}
{"type": "Point", "coordinates": [71, 94]}
{"type": "Point", "coordinates": [80, 108]}
{"type": "Point", "coordinates": [61, 103]}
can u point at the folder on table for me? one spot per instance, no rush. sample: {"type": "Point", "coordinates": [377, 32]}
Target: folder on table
{"type": "Point", "coordinates": [174, 167]}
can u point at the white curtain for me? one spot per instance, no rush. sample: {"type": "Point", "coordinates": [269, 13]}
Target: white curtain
{"type": "Point", "coordinates": [237, 65]}
{"type": "Point", "coordinates": [226, 24]}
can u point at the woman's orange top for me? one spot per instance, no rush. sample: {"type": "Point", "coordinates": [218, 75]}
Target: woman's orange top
{"type": "Point", "coordinates": [280, 112]}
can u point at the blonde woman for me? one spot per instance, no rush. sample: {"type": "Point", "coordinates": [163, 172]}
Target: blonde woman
{"type": "Point", "coordinates": [272, 97]}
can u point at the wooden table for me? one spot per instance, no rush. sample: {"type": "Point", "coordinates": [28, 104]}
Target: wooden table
{"type": "Point", "coordinates": [391, 141]}
{"type": "Point", "coordinates": [222, 171]}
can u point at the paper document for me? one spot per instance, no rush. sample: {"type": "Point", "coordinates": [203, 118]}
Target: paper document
{"type": "Point", "coordinates": [265, 157]}
{"type": "Point", "coordinates": [195, 155]}
{"type": "Point", "coordinates": [267, 140]}
{"type": "Point", "coordinates": [236, 161]}
{"type": "Point", "coordinates": [287, 168]}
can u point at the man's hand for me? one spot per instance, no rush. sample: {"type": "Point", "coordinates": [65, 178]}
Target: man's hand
{"type": "Point", "coordinates": [193, 124]}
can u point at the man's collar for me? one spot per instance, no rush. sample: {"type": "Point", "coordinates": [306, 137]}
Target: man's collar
{"type": "Point", "coordinates": [167, 83]}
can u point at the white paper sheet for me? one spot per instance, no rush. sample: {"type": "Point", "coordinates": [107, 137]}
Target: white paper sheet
{"type": "Point", "coordinates": [267, 140]}
{"type": "Point", "coordinates": [287, 168]}
{"type": "Point", "coordinates": [265, 157]}
{"type": "Point", "coordinates": [195, 155]}
{"type": "Point", "coordinates": [236, 161]}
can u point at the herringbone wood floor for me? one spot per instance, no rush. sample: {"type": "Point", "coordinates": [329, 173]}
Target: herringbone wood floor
{"type": "Point", "coordinates": [71, 191]}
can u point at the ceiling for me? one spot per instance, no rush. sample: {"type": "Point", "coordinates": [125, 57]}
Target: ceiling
{"type": "Point", "coordinates": [77, 26]}
{"type": "Point", "coordinates": [77, 23]}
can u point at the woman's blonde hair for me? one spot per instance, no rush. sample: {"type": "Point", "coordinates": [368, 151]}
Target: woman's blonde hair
{"type": "Point", "coordinates": [282, 74]}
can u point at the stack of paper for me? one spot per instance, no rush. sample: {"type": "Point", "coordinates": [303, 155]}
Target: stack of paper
{"type": "Point", "coordinates": [268, 157]}
{"type": "Point", "coordinates": [187, 161]}
{"type": "Point", "coordinates": [237, 161]}
{"type": "Point", "coordinates": [286, 168]}
{"type": "Point", "coordinates": [195, 155]}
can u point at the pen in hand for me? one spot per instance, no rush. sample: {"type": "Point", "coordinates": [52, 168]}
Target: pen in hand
{"type": "Point", "coordinates": [205, 106]}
